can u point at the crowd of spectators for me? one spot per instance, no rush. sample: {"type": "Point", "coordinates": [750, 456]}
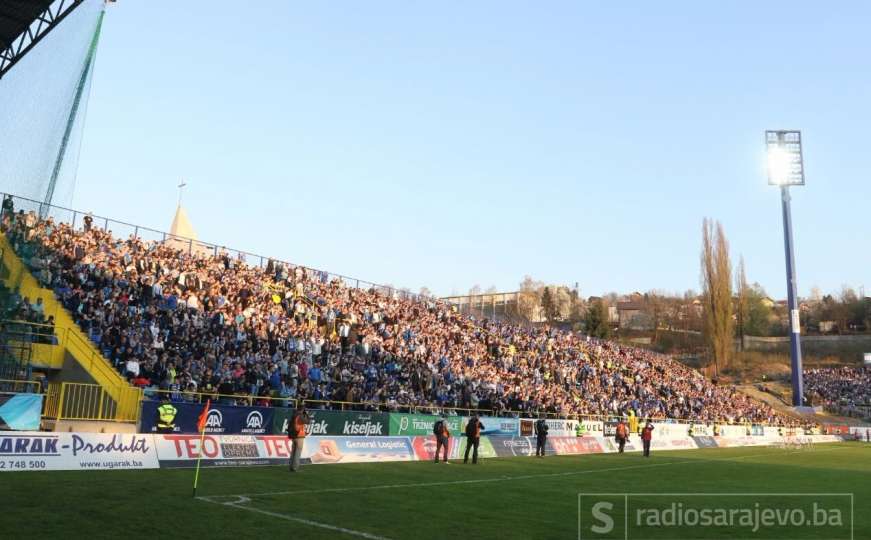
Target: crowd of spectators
{"type": "Point", "coordinates": [838, 387]}
{"type": "Point", "coordinates": [187, 322]}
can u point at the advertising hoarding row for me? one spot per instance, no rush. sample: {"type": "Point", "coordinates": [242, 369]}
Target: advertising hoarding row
{"type": "Point", "coordinates": [35, 451]}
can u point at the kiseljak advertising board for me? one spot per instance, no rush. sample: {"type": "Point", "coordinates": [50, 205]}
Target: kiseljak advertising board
{"type": "Point", "coordinates": [341, 423]}
{"type": "Point", "coordinates": [37, 451]}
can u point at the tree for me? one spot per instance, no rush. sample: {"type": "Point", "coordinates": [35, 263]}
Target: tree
{"type": "Point", "coordinates": [529, 299]}
{"type": "Point", "coordinates": [548, 305]}
{"type": "Point", "coordinates": [759, 313]}
{"type": "Point", "coordinates": [717, 293]}
{"type": "Point", "coordinates": [425, 292]}
{"type": "Point", "coordinates": [596, 322]}
{"type": "Point", "coordinates": [741, 307]}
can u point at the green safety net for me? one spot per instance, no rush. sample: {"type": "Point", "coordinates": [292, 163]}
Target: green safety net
{"type": "Point", "coordinates": [43, 104]}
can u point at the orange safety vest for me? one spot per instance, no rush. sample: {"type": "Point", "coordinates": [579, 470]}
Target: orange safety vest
{"type": "Point", "coordinates": [299, 426]}
{"type": "Point", "coordinates": [621, 430]}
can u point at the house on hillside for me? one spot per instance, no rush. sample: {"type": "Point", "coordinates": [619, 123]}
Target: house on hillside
{"type": "Point", "coordinates": [631, 316]}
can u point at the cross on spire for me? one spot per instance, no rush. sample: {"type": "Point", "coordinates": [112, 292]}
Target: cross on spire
{"type": "Point", "coordinates": [180, 188]}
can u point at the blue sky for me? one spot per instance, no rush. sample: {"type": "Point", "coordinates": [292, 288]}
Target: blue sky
{"type": "Point", "coordinates": [448, 144]}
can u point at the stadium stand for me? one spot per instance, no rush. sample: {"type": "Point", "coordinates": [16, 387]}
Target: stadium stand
{"type": "Point", "coordinates": [839, 388]}
{"type": "Point", "coordinates": [192, 324]}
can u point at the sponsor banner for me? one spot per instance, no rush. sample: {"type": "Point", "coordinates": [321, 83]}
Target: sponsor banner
{"type": "Point", "coordinates": [861, 433]}
{"type": "Point", "coordinates": [610, 428]}
{"type": "Point", "coordinates": [527, 428]}
{"type": "Point", "coordinates": [669, 430]}
{"type": "Point", "coordinates": [745, 440]}
{"type": "Point", "coordinates": [826, 438]}
{"type": "Point", "coordinates": [735, 431]}
{"type": "Point", "coordinates": [238, 450]}
{"type": "Point", "coordinates": [674, 443]}
{"type": "Point", "coordinates": [425, 447]}
{"type": "Point", "coordinates": [771, 432]}
{"type": "Point", "coordinates": [422, 424]}
{"type": "Point", "coordinates": [20, 412]}
{"type": "Point", "coordinates": [836, 430]}
{"type": "Point", "coordinates": [37, 451]}
{"type": "Point", "coordinates": [182, 450]}
{"type": "Point", "coordinates": [757, 431]}
{"type": "Point", "coordinates": [610, 444]}
{"type": "Point", "coordinates": [555, 428]}
{"type": "Point", "coordinates": [496, 425]}
{"type": "Point", "coordinates": [702, 430]}
{"type": "Point", "coordinates": [506, 446]}
{"type": "Point", "coordinates": [705, 442]}
{"type": "Point", "coordinates": [341, 423]}
{"type": "Point", "coordinates": [485, 448]}
{"type": "Point", "coordinates": [221, 419]}
{"type": "Point", "coordinates": [357, 449]}
{"type": "Point", "coordinates": [591, 427]}
{"type": "Point", "coordinates": [573, 445]}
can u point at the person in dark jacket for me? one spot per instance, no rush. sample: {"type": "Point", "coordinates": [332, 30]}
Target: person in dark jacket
{"type": "Point", "coordinates": [473, 438]}
{"type": "Point", "coordinates": [646, 436]}
{"type": "Point", "coordinates": [540, 436]}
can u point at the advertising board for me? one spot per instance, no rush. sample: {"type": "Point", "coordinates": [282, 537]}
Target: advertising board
{"type": "Point", "coordinates": [421, 424]}
{"type": "Point", "coordinates": [341, 423]}
{"type": "Point", "coordinates": [221, 419]}
{"type": "Point", "coordinates": [37, 451]}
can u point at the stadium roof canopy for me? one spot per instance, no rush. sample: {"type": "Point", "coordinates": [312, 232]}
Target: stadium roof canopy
{"type": "Point", "coordinates": [23, 23]}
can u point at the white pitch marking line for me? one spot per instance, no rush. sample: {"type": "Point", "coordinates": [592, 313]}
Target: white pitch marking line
{"type": "Point", "coordinates": [242, 500]}
{"type": "Point", "coordinates": [501, 479]}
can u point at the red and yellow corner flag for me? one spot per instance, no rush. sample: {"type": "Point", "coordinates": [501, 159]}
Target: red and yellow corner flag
{"type": "Point", "coordinates": [201, 427]}
{"type": "Point", "coordinates": [201, 421]}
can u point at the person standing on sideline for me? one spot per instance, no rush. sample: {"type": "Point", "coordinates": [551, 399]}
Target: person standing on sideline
{"type": "Point", "coordinates": [443, 436]}
{"type": "Point", "coordinates": [473, 438]}
{"type": "Point", "coordinates": [621, 435]}
{"type": "Point", "coordinates": [646, 436]}
{"type": "Point", "coordinates": [633, 424]}
{"type": "Point", "coordinates": [166, 414]}
{"type": "Point", "coordinates": [296, 434]}
{"type": "Point", "coordinates": [540, 436]}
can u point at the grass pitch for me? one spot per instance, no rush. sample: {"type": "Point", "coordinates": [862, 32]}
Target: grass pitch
{"type": "Point", "coordinates": [499, 498]}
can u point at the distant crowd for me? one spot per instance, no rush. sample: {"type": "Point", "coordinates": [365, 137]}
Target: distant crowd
{"type": "Point", "coordinates": [188, 323]}
{"type": "Point", "coordinates": [848, 387]}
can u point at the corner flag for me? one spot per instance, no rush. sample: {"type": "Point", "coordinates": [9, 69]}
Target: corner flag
{"type": "Point", "coordinates": [201, 421]}
{"type": "Point", "coordinates": [201, 427]}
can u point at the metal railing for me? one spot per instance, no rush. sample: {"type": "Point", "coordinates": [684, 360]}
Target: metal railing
{"type": "Point", "coordinates": [82, 401]}
{"type": "Point", "coordinates": [15, 386]}
{"type": "Point", "coordinates": [120, 229]}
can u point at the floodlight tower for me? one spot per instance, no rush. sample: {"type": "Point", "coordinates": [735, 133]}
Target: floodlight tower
{"type": "Point", "coordinates": [786, 168]}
